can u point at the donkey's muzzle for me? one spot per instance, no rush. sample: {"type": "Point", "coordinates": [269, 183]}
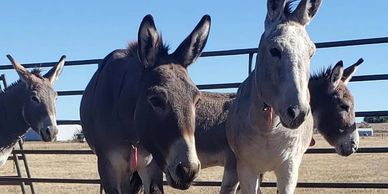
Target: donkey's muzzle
{"type": "Point", "coordinates": [186, 173]}
{"type": "Point", "coordinates": [347, 150]}
{"type": "Point", "coordinates": [183, 176]}
{"type": "Point", "coordinates": [49, 133]}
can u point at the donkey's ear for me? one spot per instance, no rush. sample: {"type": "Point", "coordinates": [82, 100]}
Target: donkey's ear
{"type": "Point", "coordinates": [336, 75]}
{"type": "Point", "coordinates": [149, 42]}
{"type": "Point", "coordinates": [23, 73]}
{"type": "Point", "coordinates": [349, 72]}
{"type": "Point", "coordinates": [53, 74]}
{"type": "Point", "coordinates": [306, 10]}
{"type": "Point", "coordinates": [275, 8]}
{"type": "Point", "coordinates": [191, 48]}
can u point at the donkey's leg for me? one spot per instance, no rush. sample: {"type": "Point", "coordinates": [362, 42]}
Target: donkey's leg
{"type": "Point", "coordinates": [287, 176]}
{"type": "Point", "coordinates": [4, 155]}
{"type": "Point", "coordinates": [230, 177]}
{"type": "Point", "coordinates": [152, 178]}
{"type": "Point", "coordinates": [248, 178]}
{"type": "Point", "coordinates": [136, 184]}
{"type": "Point", "coordinates": [114, 170]}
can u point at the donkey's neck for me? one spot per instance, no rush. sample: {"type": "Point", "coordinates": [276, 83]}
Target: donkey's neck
{"type": "Point", "coordinates": [317, 85]}
{"type": "Point", "coordinates": [12, 124]}
{"type": "Point", "coordinates": [257, 113]}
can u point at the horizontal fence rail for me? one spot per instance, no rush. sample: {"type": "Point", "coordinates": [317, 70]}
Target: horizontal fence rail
{"type": "Point", "coordinates": [17, 180]}
{"type": "Point", "coordinates": [250, 52]}
{"type": "Point", "coordinates": [366, 150]}
{"type": "Point", "coordinates": [309, 185]}
{"type": "Point", "coordinates": [316, 185]}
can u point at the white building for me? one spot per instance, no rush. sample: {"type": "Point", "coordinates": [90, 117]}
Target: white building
{"type": "Point", "coordinates": [365, 131]}
{"type": "Point", "coordinates": [65, 133]}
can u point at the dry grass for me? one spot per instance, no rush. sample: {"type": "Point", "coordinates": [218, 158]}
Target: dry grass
{"type": "Point", "coordinates": [315, 168]}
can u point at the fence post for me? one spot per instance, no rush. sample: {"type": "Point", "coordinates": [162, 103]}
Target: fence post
{"type": "Point", "coordinates": [250, 63]}
{"type": "Point", "coordinates": [16, 161]}
{"type": "Point", "coordinates": [26, 165]}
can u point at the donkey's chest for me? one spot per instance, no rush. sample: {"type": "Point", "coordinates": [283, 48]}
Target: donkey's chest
{"type": "Point", "coordinates": [268, 151]}
{"type": "Point", "coordinates": [271, 151]}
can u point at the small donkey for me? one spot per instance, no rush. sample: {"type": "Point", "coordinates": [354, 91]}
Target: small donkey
{"type": "Point", "coordinates": [30, 102]}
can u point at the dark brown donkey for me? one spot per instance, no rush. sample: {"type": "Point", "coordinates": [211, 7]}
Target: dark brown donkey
{"type": "Point", "coordinates": [332, 107]}
{"type": "Point", "coordinates": [29, 102]}
{"type": "Point", "coordinates": [143, 97]}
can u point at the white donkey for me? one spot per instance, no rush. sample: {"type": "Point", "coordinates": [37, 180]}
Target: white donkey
{"type": "Point", "coordinates": [269, 125]}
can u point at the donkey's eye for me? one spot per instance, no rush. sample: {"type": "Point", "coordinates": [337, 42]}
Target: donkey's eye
{"type": "Point", "coordinates": [157, 102]}
{"type": "Point", "coordinates": [345, 107]}
{"type": "Point", "coordinates": [275, 53]}
{"type": "Point", "coordinates": [35, 99]}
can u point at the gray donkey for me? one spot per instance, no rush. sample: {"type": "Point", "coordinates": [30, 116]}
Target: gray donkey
{"type": "Point", "coordinates": [332, 107]}
{"type": "Point", "coordinates": [269, 126]}
{"type": "Point", "coordinates": [29, 102]}
{"type": "Point", "coordinates": [142, 97]}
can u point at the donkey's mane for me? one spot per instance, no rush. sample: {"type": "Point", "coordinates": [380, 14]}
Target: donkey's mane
{"type": "Point", "coordinates": [131, 51]}
{"type": "Point", "coordinates": [323, 74]}
{"type": "Point", "coordinates": [35, 71]}
{"type": "Point", "coordinates": [133, 47]}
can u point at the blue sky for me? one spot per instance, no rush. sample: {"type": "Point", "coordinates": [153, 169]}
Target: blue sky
{"type": "Point", "coordinates": [43, 30]}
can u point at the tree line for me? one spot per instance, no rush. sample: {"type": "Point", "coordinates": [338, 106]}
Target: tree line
{"type": "Point", "coordinates": [376, 119]}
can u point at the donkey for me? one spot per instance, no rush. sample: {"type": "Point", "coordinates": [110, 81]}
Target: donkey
{"type": "Point", "coordinates": [332, 107]}
{"type": "Point", "coordinates": [28, 103]}
{"type": "Point", "coordinates": [269, 126]}
{"type": "Point", "coordinates": [142, 97]}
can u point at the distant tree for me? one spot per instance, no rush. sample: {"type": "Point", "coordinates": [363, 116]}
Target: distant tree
{"type": "Point", "coordinates": [376, 119]}
{"type": "Point", "coordinates": [78, 136]}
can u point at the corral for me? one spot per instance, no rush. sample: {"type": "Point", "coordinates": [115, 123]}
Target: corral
{"type": "Point", "coordinates": [315, 168]}
{"type": "Point", "coordinates": [321, 169]}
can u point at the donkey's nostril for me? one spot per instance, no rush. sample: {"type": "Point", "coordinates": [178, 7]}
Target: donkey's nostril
{"type": "Point", "coordinates": [292, 111]}
{"type": "Point", "coordinates": [48, 131]}
{"type": "Point", "coordinates": [181, 171]}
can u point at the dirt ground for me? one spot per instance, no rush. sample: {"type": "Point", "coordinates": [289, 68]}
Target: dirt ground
{"type": "Point", "coordinates": [315, 168]}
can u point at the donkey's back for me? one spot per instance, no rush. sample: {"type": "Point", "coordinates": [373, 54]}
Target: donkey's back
{"type": "Point", "coordinates": [211, 114]}
{"type": "Point", "coordinates": [113, 89]}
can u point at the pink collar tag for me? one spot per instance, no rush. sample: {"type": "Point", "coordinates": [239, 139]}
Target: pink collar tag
{"type": "Point", "coordinates": [133, 158]}
{"type": "Point", "coordinates": [269, 111]}
{"type": "Point", "coordinates": [312, 142]}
